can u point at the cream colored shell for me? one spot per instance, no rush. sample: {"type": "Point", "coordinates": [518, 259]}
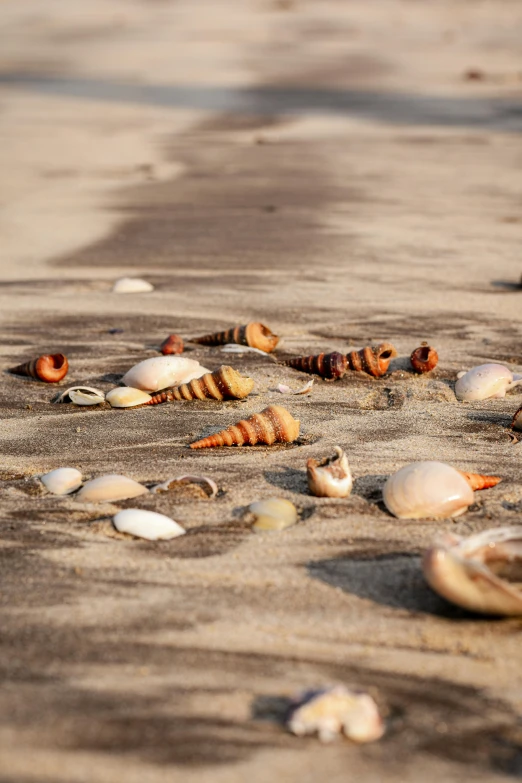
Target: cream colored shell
{"type": "Point", "coordinates": [159, 372]}
{"type": "Point", "coordinates": [110, 488]}
{"type": "Point", "coordinates": [62, 481]}
{"type": "Point", "coordinates": [485, 381]}
{"type": "Point", "coordinates": [127, 397]}
{"type": "Point", "coordinates": [147, 524]}
{"type": "Point", "coordinates": [427, 490]}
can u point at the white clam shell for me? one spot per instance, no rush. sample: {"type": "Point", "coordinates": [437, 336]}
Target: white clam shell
{"type": "Point", "coordinates": [147, 524]}
{"type": "Point", "coordinates": [82, 395]}
{"type": "Point", "coordinates": [109, 488]}
{"type": "Point", "coordinates": [126, 397]}
{"type": "Point", "coordinates": [337, 710]}
{"type": "Point", "coordinates": [427, 489]}
{"type": "Point", "coordinates": [330, 478]}
{"type": "Point", "coordinates": [462, 570]}
{"type": "Point", "coordinates": [187, 479]}
{"type": "Point", "coordinates": [132, 285]}
{"type": "Point", "coordinates": [159, 372]}
{"type": "Point", "coordinates": [273, 514]}
{"type": "Point", "coordinates": [485, 381]}
{"type": "Point", "coordinates": [62, 481]}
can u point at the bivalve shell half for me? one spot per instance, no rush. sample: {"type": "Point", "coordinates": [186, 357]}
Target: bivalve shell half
{"type": "Point", "coordinates": [485, 381]}
{"type": "Point", "coordinates": [62, 481]}
{"type": "Point", "coordinates": [162, 371]}
{"type": "Point", "coordinates": [110, 488]}
{"type": "Point", "coordinates": [208, 485]}
{"type": "Point", "coordinates": [132, 285]}
{"type": "Point", "coordinates": [147, 524]}
{"type": "Point", "coordinates": [127, 397]}
{"type": "Point", "coordinates": [273, 514]}
{"type": "Point", "coordinates": [82, 395]}
{"type": "Point", "coordinates": [427, 490]}
{"type": "Point", "coordinates": [330, 712]}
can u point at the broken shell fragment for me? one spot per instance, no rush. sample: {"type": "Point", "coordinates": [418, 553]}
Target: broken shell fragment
{"type": "Point", "coordinates": [332, 711]}
{"type": "Point", "coordinates": [273, 514]}
{"type": "Point", "coordinates": [127, 397]}
{"type": "Point", "coordinates": [132, 285]}
{"type": "Point", "coordinates": [480, 573]}
{"type": "Point", "coordinates": [427, 489]}
{"type": "Point", "coordinates": [256, 335]}
{"type": "Point", "coordinates": [306, 389]}
{"type": "Point", "coordinates": [81, 395]}
{"type": "Point", "coordinates": [49, 368]}
{"type": "Point", "coordinates": [327, 365]}
{"type": "Point", "coordinates": [62, 481]}
{"type": "Point", "coordinates": [172, 344]}
{"type": "Point", "coordinates": [209, 486]}
{"type": "Point", "coordinates": [273, 424]}
{"type": "Point", "coordinates": [223, 384]}
{"type": "Point", "coordinates": [485, 381]}
{"type": "Point", "coordinates": [516, 423]}
{"type": "Point", "coordinates": [109, 488]}
{"type": "Point", "coordinates": [374, 359]}
{"type": "Point", "coordinates": [424, 359]}
{"type": "Point", "coordinates": [147, 524]}
{"type": "Point", "coordinates": [330, 478]}
{"type": "Point", "coordinates": [162, 371]}
{"type": "Point", "coordinates": [234, 348]}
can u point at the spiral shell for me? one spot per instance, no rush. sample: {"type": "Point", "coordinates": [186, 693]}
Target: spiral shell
{"type": "Point", "coordinates": [328, 365]}
{"type": "Point", "coordinates": [223, 384]}
{"type": "Point", "coordinates": [330, 478]}
{"type": "Point", "coordinates": [484, 382]}
{"type": "Point", "coordinates": [467, 571]}
{"type": "Point", "coordinates": [49, 368]}
{"type": "Point", "coordinates": [424, 359]}
{"type": "Point", "coordinates": [427, 489]}
{"type": "Point", "coordinates": [273, 424]}
{"type": "Point", "coordinates": [516, 423]}
{"type": "Point", "coordinates": [373, 360]}
{"type": "Point", "coordinates": [477, 481]}
{"type": "Point", "coordinates": [336, 710]}
{"type": "Point", "coordinates": [256, 335]}
{"type": "Point", "coordinates": [172, 344]}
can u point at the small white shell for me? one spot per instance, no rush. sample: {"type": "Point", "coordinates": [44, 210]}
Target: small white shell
{"type": "Point", "coordinates": [462, 570]}
{"type": "Point", "coordinates": [273, 514]}
{"type": "Point", "coordinates": [132, 285]}
{"type": "Point", "coordinates": [159, 372]}
{"type": "Point", "coordinates": [284, 389]}
{"type": "Point", "coordinates": [62, 481]}
{"type": "Point", "coordinates": [485, 381]}
{"type": "Point", "coordinates": [187, 479]}
{"type": "Point", "coordinates": [335, 711]}
{"type": "Point", "coordinates": [330, 478]}
{"type": "Point", "coordinates": [126, 397]}
{"type": "Point", "coordinates": [427, 489]}
{"type": "Point", "coordinates": [81, 395]}
{"type": "Point", "coordinates": [235, 348]}
{"type": "Point", "coordinates": [109, 488]}
{"type": "Point", "coordinates": [147, 524]}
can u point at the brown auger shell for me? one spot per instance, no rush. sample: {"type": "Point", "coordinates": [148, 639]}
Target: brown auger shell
{"type": "Point", "coordinates": [223, 384]}
{"type": "Point", "coordinates": [256, 335]}
{"type": "Point", "coordinates": [273, 424]}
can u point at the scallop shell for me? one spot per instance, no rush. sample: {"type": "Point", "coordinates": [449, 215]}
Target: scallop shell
{"type": "Point", "coordinates": [81, 395]}
{"type": "Point", "coordinates": [273, 424]}
{"type": "Point", "coordinates": [332, 711]}
{"type": "Point", "coordinates": [62, 481]}
{"type": "Point", "coordinates": [127, 397]}
{"type": "Point", "coordinates": [132, 285]}
{"type": "Point", "coordinates": [330, 478]}
{"type": "Point", "coordinates": [427, 489]}
{"type": "Point", "coordinates": [49, 368]}
{"type": "Point", "coordinates": [485, 381]}
{"type": "Point", "coordinates": [256, 335]}
{"type": "Point", "coordinates": [273, 514]}
{"type": "Point", "coordinates": [472, 572]}
{"type": "Point", "coordinates": [110, 488]}
{"type": "Point", "coordinates": [209, 486]}
{"type": "Point", "coordinates": [147, 524]}
{"type": "Point", "coordinates": [223, 384]}
{"type": "Point", "coordinates": [162, 371]}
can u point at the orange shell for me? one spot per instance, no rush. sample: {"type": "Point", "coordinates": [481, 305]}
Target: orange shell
{"type": "Point", "coordinates": [223, 384]}
{"type": "Point", "coordinates": [49, 368]}
{"type": "Point", "coordinates": [172, 344]}
{"type": "Point", "coordinates": [373, 360]}
{"type": "Point", "coordinates": [478, 481]}
{"type": "Point", "coordinates": [256, 335]}
{"type": "Point", "coordinates": [273, 424]}
{"type": "Point", "coordinates": [424, 359]}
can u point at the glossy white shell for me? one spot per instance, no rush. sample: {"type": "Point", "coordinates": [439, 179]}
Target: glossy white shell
{"type": "Point", "coordinates": [335, 711]}
{"type": "Point", "coordinates": [273, 514]}
{"type": "Point", "coordinates": [427, 489]}
{"type": "Point", "coordinates": [147, 524]}
{"type": "Point", "coordinates": [212, 487]}
{"type": "Point", "coordinates": [483, 382]}
{"type": "Point", "coordinates": [126, 397]}
{"type": "Point", "coordinates": [159, 372]}
{"type": "Point", "coordinates": [333, 479]}
{"type": "Point", "coordinates": [109, 488]}
{"type": "Point", "coordinates": [457, 568]}
{"type": "Point", "coordinates": [82, 395]}
{"type": "Point", "coordinates": [132, 285]}
{"type": "Point", "coordinates": [62, 481]}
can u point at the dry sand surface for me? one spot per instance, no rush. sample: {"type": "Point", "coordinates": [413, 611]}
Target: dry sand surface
{"type": "Point", "coordinates": [324, 167]}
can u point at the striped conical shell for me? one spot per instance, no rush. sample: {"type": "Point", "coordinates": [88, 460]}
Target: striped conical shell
{"type": "Point", "coordinates": [424, 359]}
{"type": "Point", "coordinates": [223, 384]}
{"type": "Point", "coordinates": [255, 335]}
{"type": "Point", "coordinates": [49, 368]}
{"type": "Point", "coordinates": [327, 365]}
{"type": "Point", "coordinates": [478, 481]}
{"type": "Point", "coordinates": [374, 360]}
{"type": "Point", "coordinates": [273, 424]}
{"type": "Point", "coordinates": [171, 345]}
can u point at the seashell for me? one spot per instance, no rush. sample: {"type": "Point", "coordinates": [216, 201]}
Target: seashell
{"type": "Point", "coordinates": [172, 344]}
{"type": "Point", "coordinates": [49, 368]}
{"type": "Point", "coordinates": [109, 488]}
{"type": "Point", "coordinates": [81, 395]}
{"type": "Point", "coordinates": [132, 285]}
{"type": "Point", "coordinates": [424, 359]}
{"type": "Point", "coordinates": [147, 524]}
{"type": "Point", "coordinates": [332, 711]}
{"type": "Point", "coordinates": [516, 423]}
{"type": "Point", "coordinates": [223, 384]}
{"type": "Point", "coordinates": [255, 335]}
{"type": "Point", "coordinates": [62, 481]}
{"type": "Point", "coordinates": [127, 397]}
{"type": "Point", "coordinates": [373, 360]}
{"type": "Point", "coordinates": [478, 481]}
{"type": "Point", "coordinates": [284, 389]}
{"type": "Point", "coordinates": [273, 514]}
{"type": "Point", "coordinates": [427, 489]}
{"type": "Point", "coordinates": [273, 424]}
{"type": "Point", "coordinates": [210, 486]}
{"type": "Point", "coordinates": [485, 381]}
{"type": "Point", "coordinates": [480, 573]}
{"type": "Point", "coordinates": [330, 478]}
{"type": "Point", "coordinates": [162, 371]}
{"type": "Point", "coordinates": [234, 348]}
{"type": "Point", "coordinates": [328, 365]}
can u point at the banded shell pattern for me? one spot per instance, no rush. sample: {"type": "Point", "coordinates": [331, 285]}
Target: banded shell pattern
{"type": "Point", "coordinates": [50, 368]}
{"type": "Point", "coordinates": [223, 384]}
{"type": "Point", "coordinates": [373, 360]}
{"type": "Point", "coordinates": [327, 365]}
{"type": "Point", "coordinates": [274, 423]}
{"type": "Point", "coordinates": [256, 335]}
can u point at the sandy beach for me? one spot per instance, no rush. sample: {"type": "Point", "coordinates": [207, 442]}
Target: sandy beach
{"type": "Point", "coordinates": [348, 174]}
